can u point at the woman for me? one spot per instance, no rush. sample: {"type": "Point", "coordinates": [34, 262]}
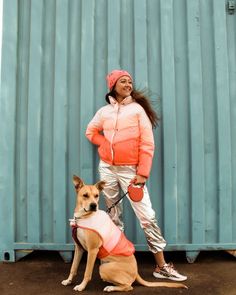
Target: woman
{"type": "Point", "coordinates": [123, 132]}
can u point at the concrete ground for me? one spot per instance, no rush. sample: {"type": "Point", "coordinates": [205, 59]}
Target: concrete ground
{"type": "Point", "coordinates": [213, 273]}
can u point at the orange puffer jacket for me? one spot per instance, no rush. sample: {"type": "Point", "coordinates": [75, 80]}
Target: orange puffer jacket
{"type": "Point", "coordinates": [124, 135]}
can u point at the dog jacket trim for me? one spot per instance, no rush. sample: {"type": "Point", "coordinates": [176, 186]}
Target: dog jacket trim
{"type": "Point", "coordinates": [114, 241]}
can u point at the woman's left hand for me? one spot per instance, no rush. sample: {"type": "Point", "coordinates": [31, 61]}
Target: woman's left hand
{"type": "Point", "coordinates": [139, 179]}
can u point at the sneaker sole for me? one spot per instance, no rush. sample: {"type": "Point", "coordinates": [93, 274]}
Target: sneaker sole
{"type": "Point", "coordinates": [159, 276]}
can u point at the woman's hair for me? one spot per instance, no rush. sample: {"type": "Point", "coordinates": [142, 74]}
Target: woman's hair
{"type": "Point", "coordinates": [142, 98]}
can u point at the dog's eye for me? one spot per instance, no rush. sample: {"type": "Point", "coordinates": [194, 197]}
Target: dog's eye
{"type": "Point", "coordinates": [96, 196]}
{"type": "Point", "coordinates": [85, 195]}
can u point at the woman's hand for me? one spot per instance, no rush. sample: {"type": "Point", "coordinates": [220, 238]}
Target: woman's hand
{"type": "Point", "coordinates": [139, 179]}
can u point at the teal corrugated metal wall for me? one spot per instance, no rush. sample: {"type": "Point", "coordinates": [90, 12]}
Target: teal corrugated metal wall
{"type": "Point", "coordinates": [55, 57]}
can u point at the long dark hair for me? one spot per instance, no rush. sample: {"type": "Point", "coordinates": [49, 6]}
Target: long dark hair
{"type": "Point", "coordinates": [142, 98]}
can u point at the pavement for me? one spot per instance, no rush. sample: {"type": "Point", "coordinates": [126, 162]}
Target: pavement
{"type": "Point", "coordinates": [41, 272]}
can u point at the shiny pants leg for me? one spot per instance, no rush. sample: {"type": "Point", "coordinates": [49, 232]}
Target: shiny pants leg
{"type": "Point", "coordinates": [118, 178]}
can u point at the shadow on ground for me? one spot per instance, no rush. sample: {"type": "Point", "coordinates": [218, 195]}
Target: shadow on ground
{"type": "Point", "coordinates": [213, 273]}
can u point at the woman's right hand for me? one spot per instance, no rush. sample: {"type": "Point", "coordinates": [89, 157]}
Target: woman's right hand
{"type": "Point", "coordinates": [139, 179]}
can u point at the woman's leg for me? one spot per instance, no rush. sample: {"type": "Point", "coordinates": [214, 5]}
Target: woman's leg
{"type": "Point", "coordinates": [144, 212]}
{"type": "Point", "coordinates": [147, 219]}
{"type": "Point", "coordinates": [111, 192]}
{"type": "Point", "coordinates": [159, 258]}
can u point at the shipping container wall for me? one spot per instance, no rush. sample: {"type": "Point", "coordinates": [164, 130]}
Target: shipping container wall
{"type": "Point", "coordinates": [55, 57]}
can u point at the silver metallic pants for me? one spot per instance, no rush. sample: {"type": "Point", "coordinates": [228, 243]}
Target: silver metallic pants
{"type": "Point", "coordinates": [119, 177]}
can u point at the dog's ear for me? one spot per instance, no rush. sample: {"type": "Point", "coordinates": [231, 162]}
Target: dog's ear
{"type": "Point", "coordinates": [78, 183]}
{"type": "Point", "coordinates": [100, 185]}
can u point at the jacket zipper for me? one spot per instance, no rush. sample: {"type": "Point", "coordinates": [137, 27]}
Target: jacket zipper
{"type": "Point", "coordinates": [114, 133]}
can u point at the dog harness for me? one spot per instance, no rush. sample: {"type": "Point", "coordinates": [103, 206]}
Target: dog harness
{"type": "Point", "coordinates": [114, 240]}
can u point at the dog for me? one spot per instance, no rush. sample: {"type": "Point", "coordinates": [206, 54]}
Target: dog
{"type": "Point", "coordinates": [120, 269]}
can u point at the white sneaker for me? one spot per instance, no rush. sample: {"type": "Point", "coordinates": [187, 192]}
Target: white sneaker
{"type": "Point", "coordinates": [168, 272]}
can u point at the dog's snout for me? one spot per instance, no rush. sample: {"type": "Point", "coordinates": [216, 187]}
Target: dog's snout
{"type": "Point", "coordinates": [93, 207]}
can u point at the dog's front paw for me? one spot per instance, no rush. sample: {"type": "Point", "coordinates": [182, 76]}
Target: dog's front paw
{"type": "Point", "coordinates": [79, 287]}
{"type": "Point", "coordinates": [66, 282]}
{"type": "Point", "coordinates": [109, 289]}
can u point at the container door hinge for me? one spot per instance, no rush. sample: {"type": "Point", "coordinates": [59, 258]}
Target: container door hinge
{"type": "Point", "coordinates": [231, 7]}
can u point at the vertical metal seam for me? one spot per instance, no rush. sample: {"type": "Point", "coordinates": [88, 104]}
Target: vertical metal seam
{"type": "Point", "coordinates": [169, 121]}
{"type": "Point", "coordinates": [223, 107]}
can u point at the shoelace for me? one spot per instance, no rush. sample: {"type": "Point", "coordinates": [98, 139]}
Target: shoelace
{"type": "Point", "coordinates": [169, 266]}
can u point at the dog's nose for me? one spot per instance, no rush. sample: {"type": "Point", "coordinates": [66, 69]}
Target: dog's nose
{"type": "Point", "coordinates": [93, 207]}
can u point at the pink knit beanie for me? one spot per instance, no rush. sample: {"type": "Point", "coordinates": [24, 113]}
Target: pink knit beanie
{"type": "Point", "coordinates": [113, 76]}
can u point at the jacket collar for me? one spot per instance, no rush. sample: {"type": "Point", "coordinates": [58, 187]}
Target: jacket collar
{"type": "Point", "coordinates": [125, 101]}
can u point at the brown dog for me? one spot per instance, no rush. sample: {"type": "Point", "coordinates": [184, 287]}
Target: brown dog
{"type": "Point", "coordinates": [119, 270]}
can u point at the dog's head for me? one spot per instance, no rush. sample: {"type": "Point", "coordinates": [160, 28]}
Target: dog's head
{"type": "Point", "coordinates": [87, 196]}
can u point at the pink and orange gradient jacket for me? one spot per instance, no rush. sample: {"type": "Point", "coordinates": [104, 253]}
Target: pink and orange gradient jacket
{"type": "Point", "coordinates": [124, 135]}
{"type": "Point", "coordinates": [114, 242]}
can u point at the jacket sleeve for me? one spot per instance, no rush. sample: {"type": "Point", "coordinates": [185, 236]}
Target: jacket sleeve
{"type": "Point", "coordinates": [146, 145]}
{"type": "Point", "coordinates": [94, 129]}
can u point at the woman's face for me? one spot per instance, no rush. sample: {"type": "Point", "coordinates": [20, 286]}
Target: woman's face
{"type": "Point", "coordinates": [124, 87]}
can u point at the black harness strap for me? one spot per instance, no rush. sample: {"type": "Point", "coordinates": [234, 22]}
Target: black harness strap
{"type": "Point", "coordinates": [74, 236]}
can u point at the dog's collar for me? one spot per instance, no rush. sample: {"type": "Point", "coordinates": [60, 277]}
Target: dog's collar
{"type": "Point", "coordinates": [73, 222]}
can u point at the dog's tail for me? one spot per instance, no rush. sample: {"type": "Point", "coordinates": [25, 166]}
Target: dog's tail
{"type": "Point", "coordinates": [142, 282]}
